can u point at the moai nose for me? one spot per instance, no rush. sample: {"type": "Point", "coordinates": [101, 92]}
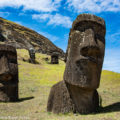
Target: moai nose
{"type": "Point", "coordinates": [4, 67]}
{"type": "Point", "coordinates": [90, 48]}
{"type": "Point", "coordinates": [90, 37]}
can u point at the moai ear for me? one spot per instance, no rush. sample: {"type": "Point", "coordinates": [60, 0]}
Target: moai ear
{"type": "Point", "coordinates": [68, 47]}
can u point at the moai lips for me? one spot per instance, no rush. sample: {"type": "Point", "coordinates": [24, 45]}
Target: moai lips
{"type": "Point", "coordinates": [84, 59]}
{"type": "Point", "coordinates": [8, 74]}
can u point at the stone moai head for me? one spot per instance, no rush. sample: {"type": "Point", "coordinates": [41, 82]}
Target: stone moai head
{"type": "Point", "coordinates": [8, 73]}
{"type": "Point", "coordinates": [32, 55]}
{"type": "Point", "coordinates": [85, 52]}
{"type": "Point", "coordinates": [55, 58]}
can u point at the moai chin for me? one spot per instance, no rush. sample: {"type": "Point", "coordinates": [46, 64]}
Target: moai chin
{"type": "Point", "coordinates": [84, 59]}
{"type": "Point", "coordinates": [8, 73]}
{"type": "Point", "coordinates": [55, 58]}
{"type": "Point", "coordinates": [32, 55]}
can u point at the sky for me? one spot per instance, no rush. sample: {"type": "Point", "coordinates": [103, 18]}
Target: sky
{"type": "Point", "coordinates": [53, 19]}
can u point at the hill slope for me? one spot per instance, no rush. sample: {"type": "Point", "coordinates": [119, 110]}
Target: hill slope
{"type": "Point", "coordinates": [22, 37]}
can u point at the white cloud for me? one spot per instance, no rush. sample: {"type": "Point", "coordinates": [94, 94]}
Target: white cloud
{"type": "Point", "coordinates": [56, 19]}
{"type": "Point", "coordinates": [49, 36]}
{"type": "Point", "coordinates": [38, 5]}
{"type": "Point", "coordinates": [94, 5]}
{"type": "Point", "coordinates": [41, 16]}
{"type": "Point", "coordinates": [66, 36]}
{"type": "Point", "coordinates": [113, 38]}
{"type": "Point", "coordinates": [4, 14]}
{"type": "Point", "coordinates": [112, 60]}
{"type": "Point", "coordinates": [116, 34]}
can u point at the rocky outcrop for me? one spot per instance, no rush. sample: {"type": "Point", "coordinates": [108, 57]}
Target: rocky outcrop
{"type": "Point", "coordinates": [23, 38]}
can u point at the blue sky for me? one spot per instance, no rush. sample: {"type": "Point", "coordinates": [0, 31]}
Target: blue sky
{"type": "Point", "coordinates": [53, 19]}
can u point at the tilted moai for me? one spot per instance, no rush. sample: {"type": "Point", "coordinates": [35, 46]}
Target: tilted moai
{"type": "Point", "coordinates": [32, 55]}
{"type": "Point", "coordinates": [8, 73]}
{"type": "Point", "coordinates": [55, 58]}
{"type": "Point", "coordinates": [85, 54]}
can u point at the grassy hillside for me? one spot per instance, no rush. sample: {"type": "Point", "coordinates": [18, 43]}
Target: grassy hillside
{"type": "Point", "coordinates": [25, 38]}
{"type": "Point", "coordinates": [35, 82]}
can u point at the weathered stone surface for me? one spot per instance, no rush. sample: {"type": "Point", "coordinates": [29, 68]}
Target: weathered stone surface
{"type": "Point", "coordinates": [84, 59]}
{"type": "Point", "coordinates": [55, 58]}
{"type": "Point", "coordinates": [8, 74]}
{"type": "Point", "coordinates": [85, 101]}
{"type": "Point", "coordinates": [24, 38]}
{"type": "Point", "coordinates": [59, 100]}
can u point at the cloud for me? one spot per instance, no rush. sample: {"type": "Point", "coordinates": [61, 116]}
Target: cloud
{"type": "Point", "coordinates": [66, 36]}
{"type": "Point", "coordinates": [112, 60]}
{"type": "Point", "coordinates": [4, 14]}
{"type": "Point", "coordinates": [49, 36]}
{"type": "Point", "coordinates": [116, 34]}
{"type": "Point", "coordinates": [95, 6]}
{"type": "Point", "coordinates": [37, 5]}
{"type": "Point", "coordinates": [55, 20]}
{"type": "Point", "coordinates": [112, 39]}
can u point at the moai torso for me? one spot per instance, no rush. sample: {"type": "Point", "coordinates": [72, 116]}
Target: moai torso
{"type": "Point", "coordinates": [84, 59]}
{"type": "Point", "coordinates": [8, 74]}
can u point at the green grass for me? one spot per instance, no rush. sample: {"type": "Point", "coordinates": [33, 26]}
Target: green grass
{"type": "Point", "coordinates": [35, 82]}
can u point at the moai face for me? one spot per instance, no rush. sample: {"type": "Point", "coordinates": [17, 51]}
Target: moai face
{"type": "Point", "coordinates": [32, 53]}
{"type": "Point", "coordinates": [8, 64]}
{"type": "Point", "coordinates": [8, 73]}
{"type": "Point", "coordinates": [55, 58]}
{"type": "Point", "coordinates": [85, 52]}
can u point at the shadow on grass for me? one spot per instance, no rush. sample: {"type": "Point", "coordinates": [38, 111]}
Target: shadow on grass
{"type": "Point", "coordinates": [24, 99]}
{"type": "Point", "coordinates": [18, 100]}
{"type": "Point", "coordinates": [29, 61]}
{"type": "Point", "coordinates": [115, 107]}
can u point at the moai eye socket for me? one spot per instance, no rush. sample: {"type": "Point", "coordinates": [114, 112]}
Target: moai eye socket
{"type": "Point", "coordinates": [100, 38]}
{"type": "Point", "coordinates": [81, 29]}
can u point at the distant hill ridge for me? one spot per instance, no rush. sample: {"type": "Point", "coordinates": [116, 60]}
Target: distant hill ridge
{"type": "Point", "coordinates": [25, 38]}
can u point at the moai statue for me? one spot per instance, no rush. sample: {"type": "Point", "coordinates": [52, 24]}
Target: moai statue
{"type": "Point", "coordinates": [8, 73]}
{"type": "Point", "coordinates": [32, 55]}
{"type": "Point", "coordinates": [55, 58]}
{"type": "Point", "coordinates": [85, 54]}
